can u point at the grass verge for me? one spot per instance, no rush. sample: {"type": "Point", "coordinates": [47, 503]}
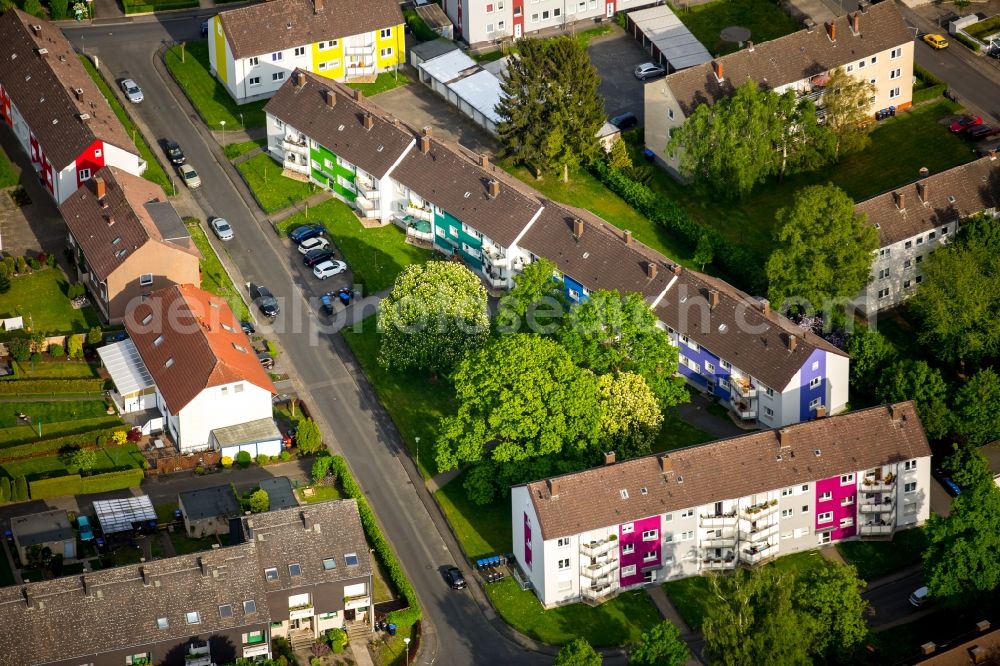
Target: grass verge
{"type": "Point", "coordinates": [40, 296]}
{"type": "Point", "coordinates": [874, 559]}
{"type": "Point", "coordinates": [273, 191]}
{"type": "Point", "coordinates": [480, 530]}
{"type": "Point", "coordinates": [193, 74]}
{"type": "Point", "coordinates": [383, 82]}
{"type": "Point", "coordinates": [154, 170]}
{"type": "Point", "coordinates": [108, 459]}
{"type": "Point", "coordinates": [234, 150]}
{"type": "Point", "coordinates": [8, 174]}
{"type": "Point", "coordinates": [214, 277]}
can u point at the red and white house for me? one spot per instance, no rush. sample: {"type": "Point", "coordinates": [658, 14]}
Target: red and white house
{"type": "Point", "coordinates": [738, 501]}
{"type": "Point", "coordinates": [56, 111]}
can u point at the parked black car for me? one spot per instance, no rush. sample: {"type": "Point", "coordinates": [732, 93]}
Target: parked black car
{"type": "Point", "coordinates": [264, 300]}
{"type": "Point", "coordinates": [174, 152]}
{"type": "Point", "coordinates": [305, 232]}
{"type": "Point", "coordinates": [247, 327]}
{"type": "Point", "coordinates": [455, 578]}
{"type": "Point", "coordinates": [625, 121]}
{"type": "Point", "coordinates": [266, 360]}
{"type": "Point", "coordinates": [317, 256]}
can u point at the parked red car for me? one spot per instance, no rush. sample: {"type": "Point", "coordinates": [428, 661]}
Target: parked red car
{"type": "Point", "coordinates": [980, 132]}
{"type": "Point", "coordinates": [965, 122]}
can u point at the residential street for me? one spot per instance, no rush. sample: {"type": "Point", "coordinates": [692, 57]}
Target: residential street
{"type": "Point", "coordinates": [456, 631]}
{"type": "Point", "coordinates": [889, 598]}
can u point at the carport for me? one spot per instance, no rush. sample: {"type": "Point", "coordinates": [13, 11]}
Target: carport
{"type": "Point", "coordinates": [666, 39]}
{"type": "Point", "coordinates": [254, 437]}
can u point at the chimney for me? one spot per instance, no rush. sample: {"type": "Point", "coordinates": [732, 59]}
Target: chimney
{"type": "Point", "coordinates": [651, 270]}
{"type": "Point", "coordinates": [922, 192]}
{"type": "Point", "coordinates": [78, 92]}
{"type": "Point", "coordinates": [676, 269]}
{"type": "Point", "coordinates": [928, 648]}
{"type": "Point", "coordinates": [713, 298]}
{"type": "Point", "coordinates": [750, 45]}
{"type": "Point", "coordinates": [428, 131]}
{"type": "Point", "coordinates": [983, 625]}
{"type": "Point", "coordinates": [203, 566]}
{"type": "Point", "coordinates": [765, 306]}
{"type": "Point", "coordinates": [666, 466]}
{"type": "Point", "coordinates": [111, 221]}
{"type": "Point", "coordinates": [717, 68]}
{"type": "Point", "coordinates": [425, 144]}
{"type": "Point", "coordinates": [146, 582]}
{"type": "Point", "coordinates": [924, 171]}
{"type": "Point", "coordinates": [628, 237]}
{"type": "Point", "coordinates": [831, 30]}
{"type": "Point", "coordinates": [331, 99]}
{"type": "Point", "coordinates": [809, 24]}
{"type": "Point", "coordinates": [358, 95]}
{"type": "Point", "coordinates": [101, 188]}
{"type": "Point", "coordinates": [553, 485]}
{"type": "Point", "coordinates": [493, 188]}
{"type": "Point", "coordinates": [300, 79]}
{"type": "Point", "coordinates": [821, 412]}
{"type": "Point", "coordinates": [28, 601]}
{"type": "Point", "coordinates": [317, 6]}
{"type": "Point", "coordinates": [577, 227]}
{"type": "Point", "coordinates": [899, 200]}
{"type": "Point", "coordinates": [86, 586]}
{"type": "Point", "coordinates": [793, 342]}
{"type": "Point", "coordinates": [484, 161]}
{"type": "Point", "coordinates": [977, 654]}
{"type": "Point", "coordinates": [784, 438]}
{"type": "Point", "coordinates": [307, 521]}
{"type": "Point", "coordinates": [369, 121]}
{"type": "Point", "coordinates": [856, 23]}
{"type": "Point", "coordinates": [863, 6]}
{"type": "Point", "coordinates": [609, 457]}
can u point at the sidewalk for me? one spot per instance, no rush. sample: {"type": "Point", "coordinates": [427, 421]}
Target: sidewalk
{"type": "Point", "coordinates": [695, 643]}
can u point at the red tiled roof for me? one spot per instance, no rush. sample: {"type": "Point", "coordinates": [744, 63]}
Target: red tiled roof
{"type": "Point", "coordinates": [202, 344]}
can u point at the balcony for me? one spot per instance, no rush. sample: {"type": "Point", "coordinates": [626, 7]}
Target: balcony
{"type": "Point", "coordinates": [877, 507]}
{"type": "Point", "coordinates": [597, 548]}
{"type": "Point", "coordinates": [363, 50]}
{"type": "Point", "coordinates": [760, 510]}
{"type": "Point", "coordinates": [718, 563]}
{"type": "Point", "coordinates": [719, 520]}
{"type": "Point", "coordinates": [357, 601]}
{"type": "Point", "coordinates": [758, 534]}
{"type": "Point", "coordinates": [743, 388]}
{"type": "Point", "coordinates": [295, 144]}
{"type": "Point", "coordinates": [870, 485]}
{"type": "Point", "coordinates": [300, 612]}
{"type": "Point", "coordinates": [367, 188]}
{"type": "Point", "coordinates": [719, 542]}
{"type": "Point", "coordinates": [364, 203]}
{"type": "Point", "coordinates": [599, 569]}
{"type": "Point", "coordinates": [251, 651]}
{"type": "Point", "coordinates": [257, 638]}
{"type": "Point", "coordinates": [420, 213]}
{"type": "Point", "coordinates": [874, 529]}
{"type": "Point", "coordinates": [595, 593]}
{"type": "Point", "coordinates": [758, 555]}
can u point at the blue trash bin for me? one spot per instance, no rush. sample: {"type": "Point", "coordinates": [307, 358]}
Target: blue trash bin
{"type": "Point", "coordinates": [391, 629]}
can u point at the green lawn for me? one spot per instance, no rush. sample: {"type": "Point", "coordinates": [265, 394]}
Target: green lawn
{"type": "Point", "coordinates": [207, 95]}
{"type": "Point", "coordinates": [234, 150]}
{"type": "Point", "coordinates": [615, 622]}
{"type": "Point", "coordinates": [108, 459]}
{"type": "Point", "coordinates": [675, 434]}
{"type": "Point", "coordinates": [874, 559]}
{"type": "Point", "coordinates": [165, 512]}
{"type": "Point", "coordinates": [273, 191]}
{"type": "Point", "coordinates": [27, 434]}
{"type": "Point", "coordinates": [480, 530]}
{"type": "Point", "coordinates": [415, 404]}
{"type": "Point", "coordinates": [319, 494]}
{"type": "Point", "coordinates": [383, 82]}
{"type": "Point", "coordinates": [40, 296]}
{"type": "Point", "coordinates": [376, 256]}
{"type": "Point", "coordinates": [765, 19]}
{"type": "Point", "coordinates": [184, 545]}
{"type": "Point", "coordinates": [8, 174]}
{"type": "Point", "coordinates": [214, 278]}
{"type": "Point", "coordinates": [51, 412]}
{"type": "Point", "coordinates": [145, 6]}
{"type": "Point", "coordinates": [62, 369]}
{"type": "Point", "coordinates": [984, 28]}
{"type": "Point", "coordinates": [154, 171]}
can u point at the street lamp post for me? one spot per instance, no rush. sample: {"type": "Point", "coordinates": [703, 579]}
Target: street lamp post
{"type": "Point", "coordinates": [242, 124]}
{"type": "Point", "coordinates": [407, 642]}
{"type": "Point", "coordinates": [418, 450]}
{"type": "Point", "coordinates": [223, 123]}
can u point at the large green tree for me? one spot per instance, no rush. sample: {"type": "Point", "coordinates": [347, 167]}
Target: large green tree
{"type": "Point", "coordinates": [829, 599]}
{"type": "Point", "coordinates": [536, 299]}
{"type": "Point", "coordinates": [848, 112]}
{"type": "Point", "coordinates": [613, 333]}
{"type": "Point", "coordinates": [577, 653]}
{"type": "Point", "coordinates": [917, 381]}
{"type": "Point", "coordinates": [751, 620]}
{"type": "Point", "coordinates": [977, 418]}
{"type": "Point", "coordinates": [308, 438]}
{"type": "Point", "coordinates": [435, 313]}
{"type": "Point", "coordinates": [660, 646]}
{"type": "Point", "coordinates": [630, 415]}
{"type": "Point", "coordinates": [550, 110]}
{"type": "Point", "coordinates": [962, 558]}
{"type": "Point", "coordinates": [871, 354]}
{"type": "Point", "coordinates": [520, 397]}
{"type": "Point", "coordinates": [801, 142]}
{"type": "Point", "coordinates": [824, 250]}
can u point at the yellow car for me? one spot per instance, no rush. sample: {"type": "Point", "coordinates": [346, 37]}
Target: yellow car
{"type": "Point", "coordinates": [936, 41]}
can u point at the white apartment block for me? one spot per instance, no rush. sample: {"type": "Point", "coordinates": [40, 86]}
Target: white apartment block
{"type": "Point", "coordinates": [735, 502]}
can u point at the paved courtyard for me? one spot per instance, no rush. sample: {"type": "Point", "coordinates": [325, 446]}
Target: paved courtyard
{"type": "Point", "coordinates": [615, 56]}
{"type": "Point", "coordinates": [34, 227]}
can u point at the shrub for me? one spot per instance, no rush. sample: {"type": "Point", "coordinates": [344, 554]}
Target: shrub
{"type": "Point", "coordinates": [263, 459]}
{"type": "Point", "coordinates": [243, 459]}
{"type": "Point", "coordinates": [102, 483]}
{"type": "Point", "coordinates": [34, 263]}
{"type": "Point", "coordinates": [50, 260]}
{"type": "Point", "coordinates": [120, 437]}
{"type": "Point", "coordinates": [34, 7]}
{"type": "Point", "coordinates": [74, 345]}
{"type": "Point", "coordinates": [968, 42]}
{"type": "Point", "coordinates": [926, 77]}
{"type": "Point", "coordinates": [75, 290]}
{"type": "Point", "coordinates": [54, 445]}
{"type": "Point", "coordinates": [5, 273]}
{"type": "Point", "coordinates": [36, 357]}
{"type": "Point", "coordinates": [200, 470]}
{"type": "Point", "coordinates": [57, 351]}
{"type": "Point", "coordinates": [418, 27]}
{"type": "Point", "coordinates": [94, 336]}
{"type": "Point", "coordinates": [337, 638]}
{"type": "Point", "coordinates": [11, 264]}
{"type": "Point", "coordinates": [20, 265]}
{"type": "Point", "coordinates": [928, 93]}
{"type": "Point", "coordinates": [20, 489]}
{"type": "Point", "coordinates": [4, 489]}
{"type": "Point", "coordinates": [134, 435]}
{"type": "Point", "coordinates": [321, 467]}
{"type": "Point", "coordinates": [285, 455]}
{"type": "Point", "coordinates": [59, 486]}
{"type": "Point", "coordinates": [45, 386]}
{"type": "Point", "coordinates": [226, 462]}
{"type": "Point", "coordinates": [272, 348]}
{"type": "Point", "coordinates": [20, 350]}
{"type": "Point", "coordinates": [307, 436]}
{"type": "Point", "coordinates": [320, 650]}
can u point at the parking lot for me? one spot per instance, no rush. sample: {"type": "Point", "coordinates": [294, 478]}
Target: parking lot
{"type": "Point", "coordinates": [615, 56]}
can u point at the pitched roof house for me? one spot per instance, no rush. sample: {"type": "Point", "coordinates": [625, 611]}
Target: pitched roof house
{"type": "Point", "coordinates": [58, 114]}
{"type": "Point", "coordinates": [917, 218]}
{"type": "Point", "coordinates": [128, 240]}
{"type": "Point", "coordinates": [226, 597]}
{"type": "Point", "coordinates": [741, 500]}
{"type": "Point", "coordinates": [254, 49]}
{"type": "Point", "coordinates": [873, 43]}
{"type": "Point", "coordinates": [206, 373]}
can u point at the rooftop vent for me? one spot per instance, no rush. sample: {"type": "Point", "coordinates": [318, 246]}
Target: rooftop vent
{"type": "Point", "coordinates": [628, 237]}
{"type": "Point", "coordinates": [146, 582]}
{"type": "Point", "coordinates": [37, 28]}
{"type": "Point", "coordinates": [624, 493]}
{"type": "Point", "coordinates": [817, 453]}
{"type": "Point", "coordinates": [84, 116]}
{"type": "Point", "coordinates": [368, 121]}
{"type": "Point", "coordinates": [203, 566]}
{"type": "Point", "coordinates": [713, 298]}
{"type": "Point", "coordinates": [651, 270]}
{"type": "Point", "coordinates": [644, 490]}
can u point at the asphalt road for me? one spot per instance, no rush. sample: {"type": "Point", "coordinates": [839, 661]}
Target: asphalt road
{"type": "Point", "coordinates": [890, 601]}
{"type": "Point", "coordinates": [459, 631]}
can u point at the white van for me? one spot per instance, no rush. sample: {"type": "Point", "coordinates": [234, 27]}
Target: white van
{"type": "Point", "coordinates": [919, 597]}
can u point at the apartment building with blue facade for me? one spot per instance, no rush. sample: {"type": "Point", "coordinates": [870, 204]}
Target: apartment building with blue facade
{"type": "Point", "coordinates": [765, 369]}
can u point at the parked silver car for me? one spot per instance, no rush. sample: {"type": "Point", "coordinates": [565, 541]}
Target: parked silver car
{"type": "Point", "coordinates": [648, 70]}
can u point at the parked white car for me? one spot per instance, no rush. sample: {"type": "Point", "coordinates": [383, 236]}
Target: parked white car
{"type": "Point", "coordinates": [223, 230]}
{"type": "Point", "coordinates": [189, 176]}
{"type": "Point", "coordinates": [132, 91]}
{"type": "Point", "coordinates": [328, 269]}
{"type": "Point", "coordinates": [317, 243]}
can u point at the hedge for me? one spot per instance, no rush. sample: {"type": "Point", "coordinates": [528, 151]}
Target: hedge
{"type": "Point", "coordinates": [52, 386]}
{"type": "Point", "coordinates": [74, 484]}
{"type": "Point", "coordinates": [418, 27]}
{"type": "Point", "coordinates": [86, 440]}
{"type": "Point", "coordinates": [731, 258]}
{"type": "Point", "coordinates": [968, 42]}
{"type": "Point", "coordinates": [380, 544]}
{"type": "Point", "coordinates": [926, 77]}
{"type": "Point", "coordinates": [929, 93]}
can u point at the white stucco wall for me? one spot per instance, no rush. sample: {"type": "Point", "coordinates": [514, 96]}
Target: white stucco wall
{"type": "Point", "coordinates": [212, 409]}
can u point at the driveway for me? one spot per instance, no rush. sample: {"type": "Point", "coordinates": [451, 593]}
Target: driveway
{"type": "Point", "coordinates": [419, 106]}
{"type": "Point", "coordinates": [615, 56]}
{"type": "Point", "coordinates": [940, 499]}
{"type": "Point", "coordinates": [36, 226]}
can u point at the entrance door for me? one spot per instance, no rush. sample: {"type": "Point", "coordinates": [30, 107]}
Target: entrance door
{"type": "Point", "coordinates": [649, 576]}
{"type": "Point", "coordinates": [611, 10]}
{"type": "Point", "coordinates": [824, 537]}
{"type": "Point", "coordinates": [517, 31]}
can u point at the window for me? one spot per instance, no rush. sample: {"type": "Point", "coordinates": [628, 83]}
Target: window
{"type": "Point", "coordinates": [84, 174]}
{"type": "Point", "coordinates": [825, 497]}
{"type": "Point", "coordinates": [884, 252]}
{"type": "Point", "coordinates": [786, 492]}
{"type": "Point", "coordinates": [225, 610]}
{"type": "Point", "coordinates": [769, 392]}
{"type": "Point", "coordinates": [629, 570]}
{"type": "Point", "coordinates": [894, 93]}
{"type": "Point", "coordinates": [768, 412]}
{"type": "Point", "coordinates": [98, 152]}
{"type": "Point", "coordinates": [650, 556]}
{"type": "Point", "coordinates": [709, 368]}
{"type": "Point", "coordinates": [910, 487]}
{"type": "Point", "coordinates": [556, 11]}
{"type": "Point", "coordinates": [545, 14]}
{"type": "Point", "coordinates": [687, 536]}
{"type": "Point", "coordinates": [910, 509]}
{"type": "Point", "coordinates": [816, 381]}
{"type": "Point", "coordinates": [847, 501]}
{"type": "Point", "coordinates": [825, 517]}
{"type": "Point", "coordinates": [162, 623]}
{"type": "Point", "coordinates": [517, 11]}
{"type": "Point", "coordinates": [786, 513]}
{"type": "Point", "coordinates": [564, 564]}
{"type": "Point", "coordinates": [489, 28]}
{"type": "Point", "coordinates": [906, 284]}
{"type": "Point", "coordinates": [628, 549]}
{"type": "Point", "coordinates": [249, 607]}
{"type": "Point", "coordinates": [726, 365]}
{"type": "Point", "coordinates": [628, 528]}
{"type": "Point", "coordinates": [224, 391]}
{"type": "Point", "coordinates": [146, 279]}
{"type": "Point", "coordinates": [158, 341]}
{"type": "Point", "coordinates": [895, 53]}
{"type": "Point", "coordinates": [920, 240]}
{"type": "Point", "coordinates": [670, 113]}
{"type": "Point", "coordinates": [623, 492]}
{"type": "Point", "coordinates": [194, 617]}
{"type": "Point", "coordinates": [300, 51]}
{"type": "Point", "coordinates": [534, 18]}
{"type": "Point", "coordinates": [277, 76]}
{"type": "Point", "coordinates": [909, 465]}
{"type": "Point", "coordinates": [944, 231]}
{"type": "Point", "coordinates": [326, 46]}
{"type": "Point", "coordinates": [907, 245]}
{"type": "Point", "coordinates": [850, 68]}
{"type": "Point", "coordinates": [805, 488]}
{"type": "Point", "coordinates": [908, 263]}
{"type": "Point", "coordinates": [386, 33]}
{"type": "Point", "coordinates": [351, 559]}
{"type": "Point", "coordinates": [386, 52]}
{"type": "Point", "coordinates": [302, 600]}
{"type": "Point", "coordinates": [805, 508]}
{"type": "Point", "coordinates": [896, 73]}
{"type": "Point", "coordinates": [650, 535]}
{"type": "Point", "coordinates": [932, 235]}
{"type": "Point", "coordinates": [275, 57]}
{"type": "Point", "coordinates": [253, 81]}
{"type": "Point", "coordinates": [169, 362]}
{"type": "Point", "coordinates": [847, 522]}
{"type": "Point", "coordinates": [846, 479]}
{"type": "Point", "coordinates": [883, 274]}
{"type": "Point", "coordinates": [501, 25]}
{"type": "Point", "coordinates": [687, 513]}
{"type": "Point", "coordinates": [489, 8]}
{"type": "Point", "coordinates": [294, 570]}
{"type": "Point", "coordinates": [883, 293]}
{"type": "Point", "coordinates": [271, 573]}
{"type": "Point", "coordinates": [920, 278]}
{"type": "Point", "coordinates": [815, 402]}
{"type": "Point", "coordinates": [861, 64]}
{"type": "Point", "coordinates": [874, 59]}
{"type": "Point", "coordinates": [920, 259]}
{"type": "Point", "coordinates": [254, 61]}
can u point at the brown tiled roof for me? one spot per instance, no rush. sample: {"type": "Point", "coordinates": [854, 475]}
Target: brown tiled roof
{"type": "Point", "coordinates": [340, 127]}
{"type": "Point", "coordinates": [43, 86]}
{"type": "Point", "coordinates": [282, 24]}
{"type": "Point", "coordinates": [118, 611]}
{"type": "Point", "coordinates": [791, 58]}
{"type": "Point", "coordinates": [125, 219]}
{"type": "Point", "coordinates": [985, 647]}
{"type": "Point", "coordinates": [201, 335]}
{"type": "Point", "coordinates": [728, 469]}
{"type": "Point", "coordinates": [952, 195]}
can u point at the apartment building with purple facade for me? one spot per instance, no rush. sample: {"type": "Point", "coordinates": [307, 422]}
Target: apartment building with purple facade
{"type": "Point", "coordinates": [735, 502]}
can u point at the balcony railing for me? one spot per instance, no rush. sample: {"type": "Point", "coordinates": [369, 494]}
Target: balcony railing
{"type": "Point", "coordinates": [761, 510]}
{"type": "Point", "coordinates": [879, 507]}
{"type": "Point", "coordinates": [363, 50]}
{"type": "Point", "coordinates": [599, 570]}
{"type": "Point", "coordinates": [724, 520]}
{"type": "Point", "coordinates": [368, 188]}
{"type": "Point", "coordinates": [716, 564]}
{"type": "Point", "coordinates": [364, 203]}
{"type": "Point", "coordinates": [756, 555]}
{"type": "Point", "coordinates": [599, 547]}
{"type": "Point", "coordinates": [758, 534]}
{"type": "Point", "coordinates": [743, 388]}
{"type": "Point", "coordinates": [598, 592]}
{"type": "Point", "coordinates": [872, 529]}
{"type": "Point", "coordinates": [870, 485]}
{"type": "Point", "coordinates": [719, 542]}
{"type": "Point", "coordinates": [292, 140]}
{"type": "Point", "coordinates": [255, 639]}
{"type": "Point", "coordinates": [420, 213]}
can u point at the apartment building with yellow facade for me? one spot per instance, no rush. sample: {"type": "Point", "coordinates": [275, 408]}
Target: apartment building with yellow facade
{"type": "Point", "coordinates": [253, 50]}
